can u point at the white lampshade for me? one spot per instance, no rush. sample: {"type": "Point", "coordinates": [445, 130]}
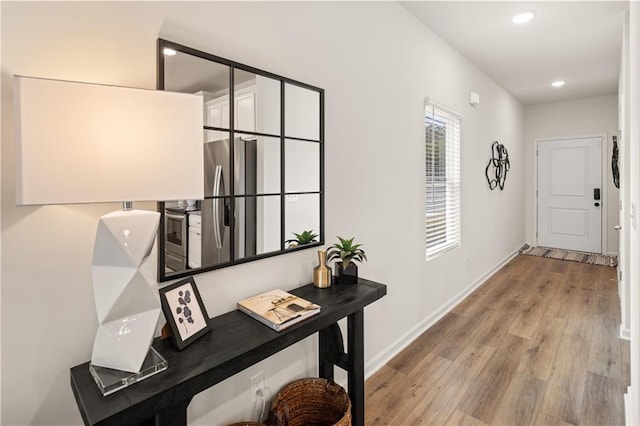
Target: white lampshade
{"type": "Point", "coordinates": [91, 143]}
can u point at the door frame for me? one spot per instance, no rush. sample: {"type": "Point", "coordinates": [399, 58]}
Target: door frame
{"type": "Point", "coordinates": [604, 247]}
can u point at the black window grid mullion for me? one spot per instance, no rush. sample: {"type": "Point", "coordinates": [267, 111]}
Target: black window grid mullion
{"type": "Point", "coordinates": [321, 167]}
{"type": "Point", "coordinates": [161, 205]}
{"type": "Point", "coordinates": [282, 168]}
{"type": "Point", "coordinates": [232, 158]}
{"type": "Point", "coordinates": [244, 132]}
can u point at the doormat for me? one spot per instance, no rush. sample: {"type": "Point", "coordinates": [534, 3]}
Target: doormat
{"type": "Point", "coordinates": [574, 256]}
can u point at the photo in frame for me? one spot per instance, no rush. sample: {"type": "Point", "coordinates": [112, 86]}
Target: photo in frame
{"type": "Point", "coordinates": [184, 311]}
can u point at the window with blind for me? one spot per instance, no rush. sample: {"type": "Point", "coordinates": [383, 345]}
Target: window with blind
{"type": "Point", "coordinates": [442, 147]}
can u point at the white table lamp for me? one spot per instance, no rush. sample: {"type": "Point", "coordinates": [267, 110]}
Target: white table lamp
{"type": "Point", "coordinates": [90, 143]}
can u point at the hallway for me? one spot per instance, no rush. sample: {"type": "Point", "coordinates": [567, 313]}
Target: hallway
{"type": "Point", "coordinates": [536, 344]}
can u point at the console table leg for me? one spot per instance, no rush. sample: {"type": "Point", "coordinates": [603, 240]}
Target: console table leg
{"type": "Point", "coordinates": [325, 367]}
{"type": "Point", "coordinates": [175, 415]}
{"type": "Point", "coordinates": [355, 351]}
{"type": "Point", "coordinates": [331, 347]}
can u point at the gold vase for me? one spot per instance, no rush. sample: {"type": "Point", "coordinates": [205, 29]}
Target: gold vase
{"type": "Point", "coordinates": [322, 273]}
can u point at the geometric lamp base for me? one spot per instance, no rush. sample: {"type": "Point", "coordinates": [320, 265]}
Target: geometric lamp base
{"type": "Point", "coordinates": [128, 307]}
{"type": "Point", "coordinates": [110, 380]}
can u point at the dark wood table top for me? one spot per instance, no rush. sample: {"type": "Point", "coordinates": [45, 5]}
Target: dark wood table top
{"type": "Point", "coordinates": [236, 341]}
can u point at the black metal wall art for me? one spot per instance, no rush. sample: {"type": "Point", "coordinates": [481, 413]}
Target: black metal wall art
{"type": "Point", "coordinates": [496, 170]}
{"type": "Point", "coordinates": [614, 163]}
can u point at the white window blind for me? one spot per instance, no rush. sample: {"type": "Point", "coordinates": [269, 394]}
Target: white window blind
{"type": "Point", "coordinates": [442, 146]}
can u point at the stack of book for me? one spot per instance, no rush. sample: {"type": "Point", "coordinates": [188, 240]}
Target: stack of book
{"type": "Point", "coordinates": [278, 309]}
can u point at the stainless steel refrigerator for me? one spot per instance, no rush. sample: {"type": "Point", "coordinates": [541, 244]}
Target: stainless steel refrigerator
{"type": "Point", "coordinates": [216, 211]}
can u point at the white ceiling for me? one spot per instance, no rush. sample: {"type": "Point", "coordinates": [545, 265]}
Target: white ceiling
{"type": "Point", "coordinates": [579, 42]}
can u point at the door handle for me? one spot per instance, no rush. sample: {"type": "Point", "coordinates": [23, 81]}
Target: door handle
{"type": "Point", "coordinates": [617, 227]}
{"type": "Point", "coordinates": [227, 213]}
{"type": "Point", "coordinates": [216, 206]}
{"type": "Point", "coordinates": [596, 204]}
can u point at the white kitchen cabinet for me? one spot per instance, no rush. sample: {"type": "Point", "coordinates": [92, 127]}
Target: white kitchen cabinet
{"type": "Point", "coordinates": [195, 241]}
{"type": "Point", "coordinates": [246, 110]}
{"type": "Point", "coordinates": [217, 113]}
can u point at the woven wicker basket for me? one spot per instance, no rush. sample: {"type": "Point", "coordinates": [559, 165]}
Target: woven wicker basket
{"type": "Point", "coordinates": [247, 424]}
{"type": "Point", "coordinates": [311, 402]}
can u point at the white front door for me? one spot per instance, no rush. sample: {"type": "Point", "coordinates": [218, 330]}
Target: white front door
{"type": "Point", "coordinates": [570, 194]}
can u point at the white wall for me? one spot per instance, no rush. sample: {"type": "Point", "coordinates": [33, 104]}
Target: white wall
{"type": "Point", "coordinates": [632, 101]}
{"type": "Point", "coordinates": [625, 176]}
{"type": "Point", "coordinates": [596, 116]}
{"type": "Point", "coordinates": [376, 63]}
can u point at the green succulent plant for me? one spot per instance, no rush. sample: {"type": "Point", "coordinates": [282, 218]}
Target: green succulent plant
{"type": "Point", "coordinates": [305, 237]}
{"type": "Point", "coordinates": [347, 252]}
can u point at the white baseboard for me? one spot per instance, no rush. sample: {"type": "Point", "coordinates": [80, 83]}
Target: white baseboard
{"type": "Point", "coordinates": [625, 333]}
{"type": "Point", "coordinates": [406, 339]}
{"type": "Point", "coordinates": [629, 409]}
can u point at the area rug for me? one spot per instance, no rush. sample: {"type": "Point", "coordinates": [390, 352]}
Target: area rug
{"type": "Point", "coordinates": [574, 256]}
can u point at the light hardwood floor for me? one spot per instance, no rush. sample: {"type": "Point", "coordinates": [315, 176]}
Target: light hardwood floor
{"type": "Point", "coordinates": [536, 344]}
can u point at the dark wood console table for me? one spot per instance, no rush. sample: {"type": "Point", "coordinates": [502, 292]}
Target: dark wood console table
{"type": "Point", "coordinates": [236, 342]}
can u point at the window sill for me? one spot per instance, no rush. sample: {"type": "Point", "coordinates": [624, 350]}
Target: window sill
{"type": "Point", "coordinates": [441, 249]}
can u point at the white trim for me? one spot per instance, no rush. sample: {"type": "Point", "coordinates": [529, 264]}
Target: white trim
{"type": "Point", "coordinates": [604, 245]}
{"type": "Point", "coordinates": [625, 333]}
{"type": "Point", "coordinates": [449, 236]}
{"type": "Point", "coordinates": [441, 249]}
{"type": "Point", "coordinates": [534, 192]}
{"type": "Point", "coordinates": [628, 407]}
{"type": "Point", "coordinates": [406, 339]}
{"type": "Point", "coordinates": [604, 184]}
{"type": "Point", "coordinates": [443, 107]}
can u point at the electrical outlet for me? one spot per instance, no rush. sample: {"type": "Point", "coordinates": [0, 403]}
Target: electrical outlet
{"type": "Point", "coordinates": [257, 384]}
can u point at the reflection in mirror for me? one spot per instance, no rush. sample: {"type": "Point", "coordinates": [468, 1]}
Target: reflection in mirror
{"type": "Point", "coordinates": [191, 239]}
{"type": "Point", "coordinates": [257, 164]}
{"type": "Point", "coordinates": [191, 74]}
{"type": "Point", "coordinates": [175, 235]}
{"type": "Point", "coordinates": [258, 225]}
{"type": "Point", "coordinates": [302, 213]}
{"type": "Point", "coordinates": [216, 164]}
{"type": "Point", "coordinates": [302, 112]}
{"type": "Point", "coordinates": [257, 101]}
{"type": "Point", "coordinates": [302, 166]}
{"type": "Point", "coordinates": [216, 231]}
{"type": "Point", "coordinates": [253, 166]}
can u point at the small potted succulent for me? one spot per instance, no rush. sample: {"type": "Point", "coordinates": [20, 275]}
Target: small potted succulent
{"type": "Point", "coordinates": [348, 253]}
{"type": "Point", "coordinates": [306, 237]}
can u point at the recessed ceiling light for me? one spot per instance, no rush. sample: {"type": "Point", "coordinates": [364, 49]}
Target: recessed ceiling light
{"type": "Point", "coordinates": [558, 83]}
{"type": "Point", "coordinates": [169, 52]}
{"type": "Point", "coordinates": [523, 17]}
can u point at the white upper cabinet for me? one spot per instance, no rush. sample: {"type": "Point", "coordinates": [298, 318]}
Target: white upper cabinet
{"type": "Point", "coordinates": [217, 113]}
{"type": "Point", "coordinates": [245, 119]}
